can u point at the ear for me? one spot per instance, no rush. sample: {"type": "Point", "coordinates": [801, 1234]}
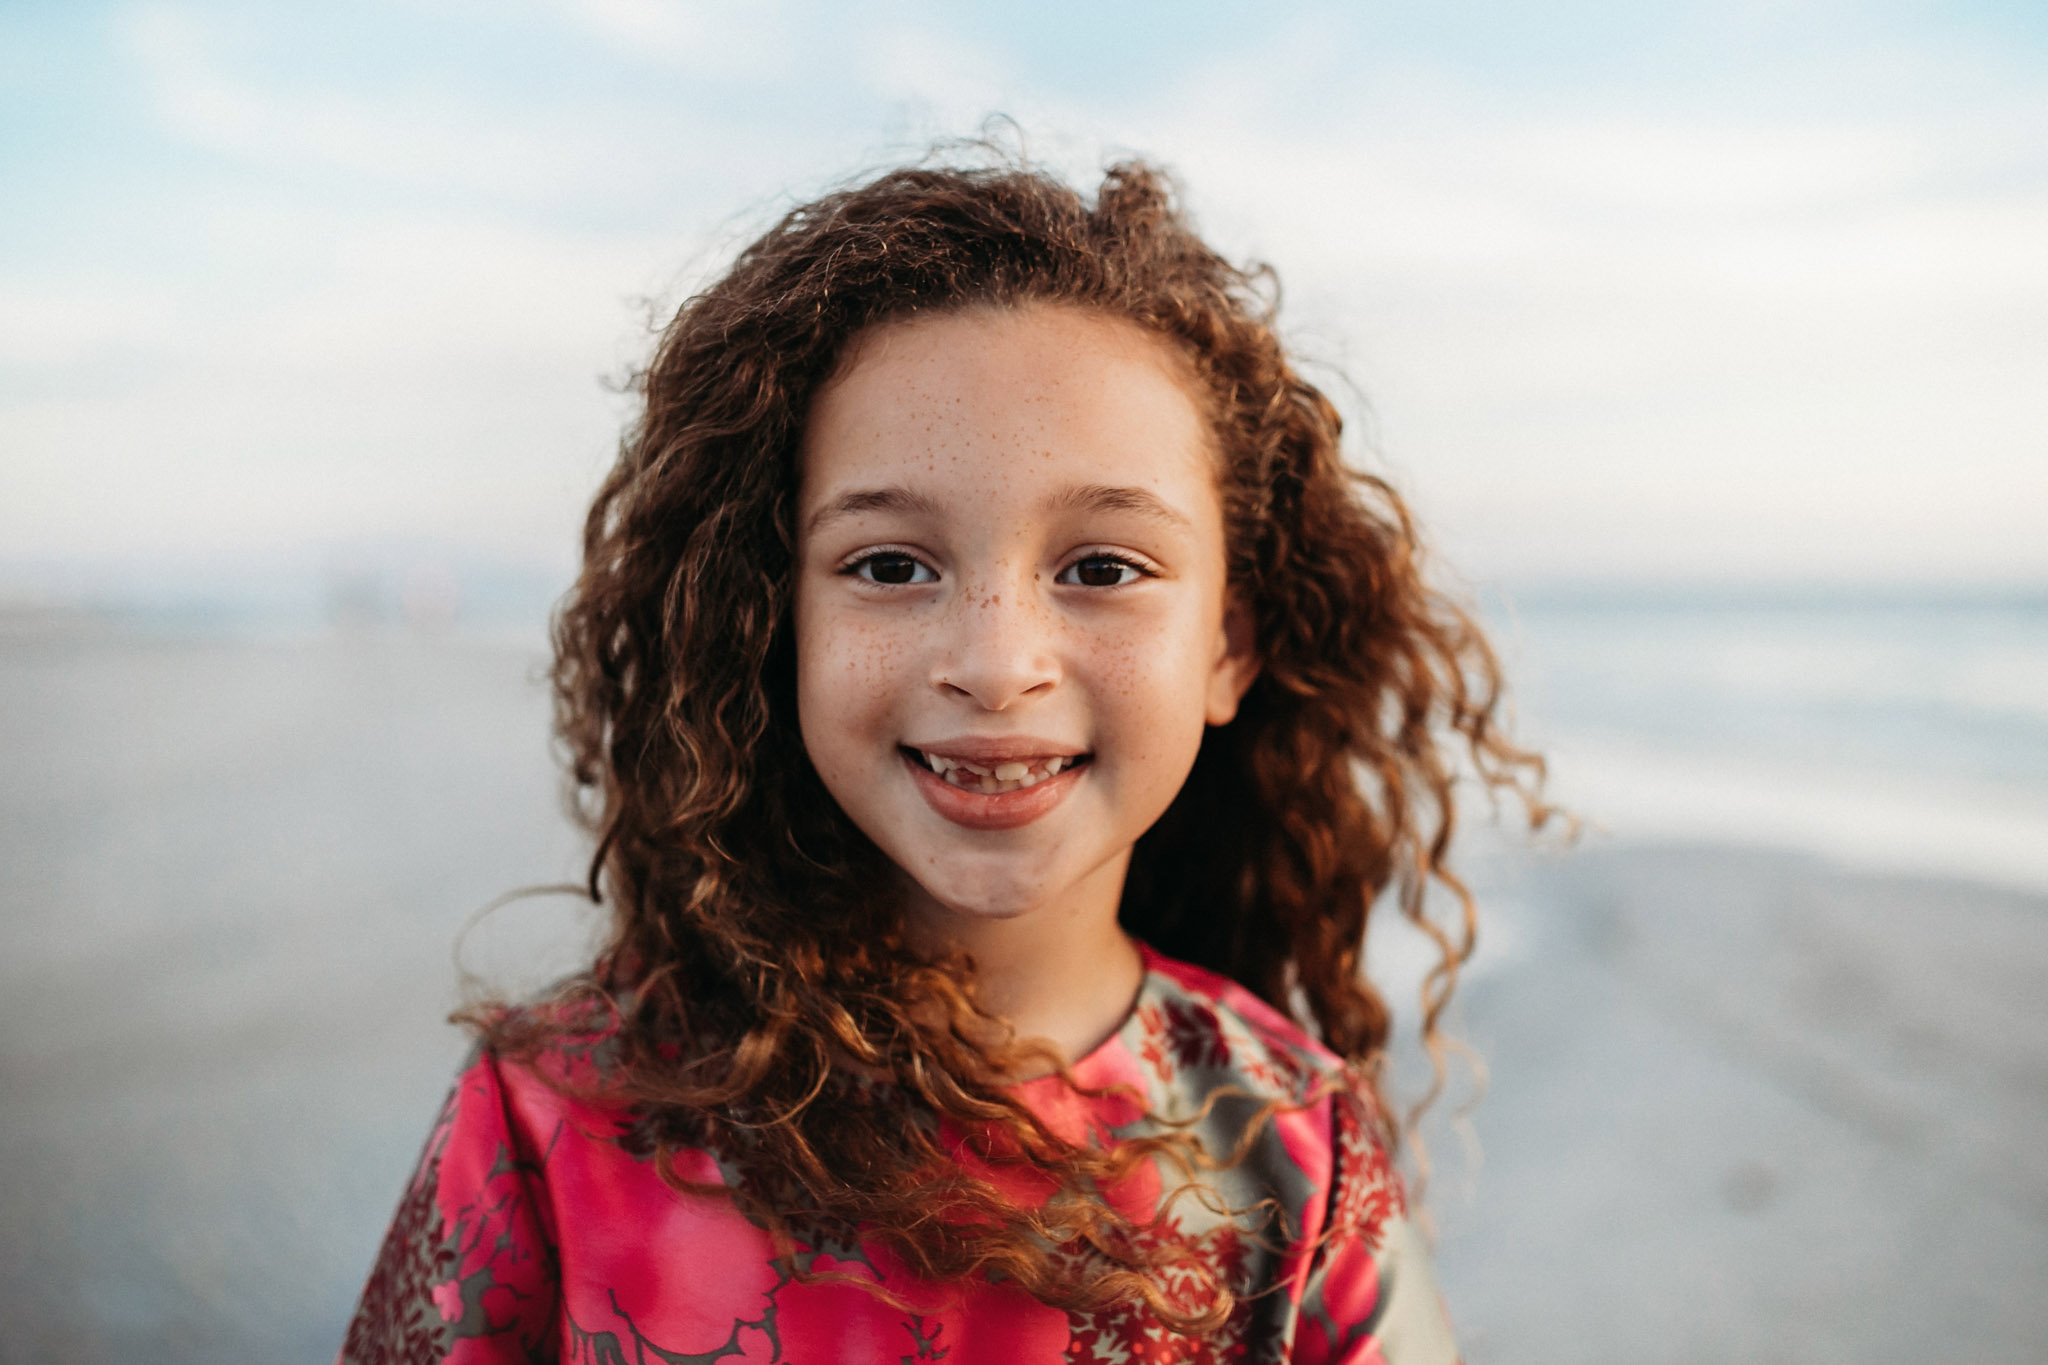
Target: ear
{"type": "Point", "coordinates": [1237, 663]}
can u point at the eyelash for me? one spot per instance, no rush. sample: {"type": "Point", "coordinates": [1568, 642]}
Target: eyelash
{"type": "Point", "coordinates": [1107, 557]}
{"type": "Point", "coordinates": [854, 568]}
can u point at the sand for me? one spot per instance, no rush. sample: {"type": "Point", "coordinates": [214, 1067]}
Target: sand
{"type": "Point", "coordinates": [1749, 1106]}
{"type": "Point", "coordinates": [1745, 1104]}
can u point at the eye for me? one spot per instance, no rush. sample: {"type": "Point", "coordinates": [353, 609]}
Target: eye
{"type": "Point", "coordinates": [891, 567]}
{"type": "Point", "coordinates": [1100, 571]}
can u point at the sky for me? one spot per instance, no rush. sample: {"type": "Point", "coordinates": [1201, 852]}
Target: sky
{"type": "Point", "coordinates": [1618, 293]}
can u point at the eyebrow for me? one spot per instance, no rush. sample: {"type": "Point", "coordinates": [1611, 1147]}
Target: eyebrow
{"type": "Point", "coordinates": [858, 500]}
{"type": "Point", "coordinates": [1090, 497]}
{"type": "Point", "coordinates": [1102, 497]}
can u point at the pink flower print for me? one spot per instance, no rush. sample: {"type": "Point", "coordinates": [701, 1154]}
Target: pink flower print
{"type": "Point", "coordinates": [447, 1298]}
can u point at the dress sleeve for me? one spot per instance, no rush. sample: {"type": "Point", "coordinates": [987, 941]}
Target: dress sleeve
{"type": "Point", "coordinates": [1371, 1296]}
{"type": "Point", "coordinates": [467, 1274]}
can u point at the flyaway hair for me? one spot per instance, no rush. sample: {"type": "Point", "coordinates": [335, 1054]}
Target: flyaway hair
{"type": "Point", "coordinates": [757, 993]}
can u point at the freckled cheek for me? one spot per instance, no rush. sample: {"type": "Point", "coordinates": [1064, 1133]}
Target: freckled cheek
{"type": "Point", "coordinates": [851, 676]}
{"type": "Point", "coordinates": [1147, 695]}
{"type": "Point", "coordinates": [1121, 670]}
{"type": "Point", "coordinates": [1154, 660]}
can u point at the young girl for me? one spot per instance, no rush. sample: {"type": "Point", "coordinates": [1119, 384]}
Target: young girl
{"type": "Point", "coordinates": [998, 708]}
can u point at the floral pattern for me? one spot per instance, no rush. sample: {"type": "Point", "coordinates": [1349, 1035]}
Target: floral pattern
{"type": "Point", "coordinates": [537, 1229]}
{"type": "Point", "coordinates": [1182, 1035]}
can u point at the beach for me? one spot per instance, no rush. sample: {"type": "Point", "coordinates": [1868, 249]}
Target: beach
{"type": "Point", "coordinates": [1748, 1105]}
{"type": "Point", "coordinates": [1745, 1102]}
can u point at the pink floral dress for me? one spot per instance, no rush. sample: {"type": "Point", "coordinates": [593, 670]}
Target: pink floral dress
{"type": "Point", "coordinates": [535, 1229]}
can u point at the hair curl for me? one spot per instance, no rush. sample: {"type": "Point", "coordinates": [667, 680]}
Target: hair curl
{"type": "Point", "coordinates": [766, 1001]}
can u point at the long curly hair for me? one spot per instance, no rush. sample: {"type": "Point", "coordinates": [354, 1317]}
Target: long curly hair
{"type": "Point", "coordinates": [760, 995]}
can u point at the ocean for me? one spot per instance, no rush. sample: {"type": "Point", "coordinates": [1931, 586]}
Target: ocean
{"type": "Point", "coordinates": [1888, 731]}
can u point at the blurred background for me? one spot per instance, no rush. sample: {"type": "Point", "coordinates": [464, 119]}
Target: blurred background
{"type": "Point", "coordinates": [1709, 340]}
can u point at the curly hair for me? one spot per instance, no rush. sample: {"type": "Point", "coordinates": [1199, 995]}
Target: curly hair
{"type": "Point", "coordinates": [762, 998]}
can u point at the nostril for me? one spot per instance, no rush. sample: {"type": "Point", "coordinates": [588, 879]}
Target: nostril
{"type": "Point", "coordinates": [994, 676]}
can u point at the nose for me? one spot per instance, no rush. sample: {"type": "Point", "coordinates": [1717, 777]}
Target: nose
{"type": "Point", "coordinates": [997, 646]}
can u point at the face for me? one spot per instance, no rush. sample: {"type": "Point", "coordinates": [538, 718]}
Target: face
{"type": "Point", "coordinates": [1010, 607]}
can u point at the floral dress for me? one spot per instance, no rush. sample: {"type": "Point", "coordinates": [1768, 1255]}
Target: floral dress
{"type": "Point", "coordinates": [537, 1229]}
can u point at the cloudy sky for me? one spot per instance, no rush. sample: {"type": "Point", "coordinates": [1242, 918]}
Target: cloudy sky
{"type": "Point", "coordinates": [1688, 292]}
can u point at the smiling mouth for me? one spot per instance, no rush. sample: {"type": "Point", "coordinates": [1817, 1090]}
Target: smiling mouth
{"type": "Point", "coordinates": [991, 779]}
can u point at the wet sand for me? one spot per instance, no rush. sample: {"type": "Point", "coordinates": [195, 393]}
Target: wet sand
{"type": "Point", "coordinates": [1744, 1104]}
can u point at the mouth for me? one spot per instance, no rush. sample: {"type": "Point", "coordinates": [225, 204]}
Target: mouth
{"type": "Point", "coordinates": [986, 777]}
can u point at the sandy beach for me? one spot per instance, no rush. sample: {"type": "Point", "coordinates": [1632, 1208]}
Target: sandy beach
{"type": "Point", "coordinates": [1745, 1104]}
{"type": "Point", "coordinates": [1749, 1106]}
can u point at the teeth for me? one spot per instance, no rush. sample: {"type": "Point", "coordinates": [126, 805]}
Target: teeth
{"type": "Point", "coordinates": [1000, 777]}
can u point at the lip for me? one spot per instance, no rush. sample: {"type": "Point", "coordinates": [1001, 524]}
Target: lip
{"type": "Point", "coordinates": [994, 810]}
{"type": "Point", "coordinates": [986, 749]}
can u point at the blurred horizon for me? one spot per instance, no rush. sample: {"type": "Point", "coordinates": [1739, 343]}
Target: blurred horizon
{"type": "Point", "coordinates": [419, 585]}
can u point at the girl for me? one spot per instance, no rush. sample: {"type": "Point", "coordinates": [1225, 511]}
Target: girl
{"type": "Point", "coordinates": [998, 708]}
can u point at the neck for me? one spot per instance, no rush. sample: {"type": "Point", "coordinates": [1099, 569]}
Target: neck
{"type": "Point", "coordinates": [1064, 973]}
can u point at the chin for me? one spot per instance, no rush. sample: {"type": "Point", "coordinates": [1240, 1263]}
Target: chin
{"type": "Point", "coordinates": [984, 897]}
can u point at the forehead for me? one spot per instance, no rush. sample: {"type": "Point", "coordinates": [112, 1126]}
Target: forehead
{"type": "Point", "coordinates": [1009, 395]}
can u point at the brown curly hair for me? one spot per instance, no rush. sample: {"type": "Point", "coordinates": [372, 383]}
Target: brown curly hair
{"type": "Point", "coordinates": [761, 995]}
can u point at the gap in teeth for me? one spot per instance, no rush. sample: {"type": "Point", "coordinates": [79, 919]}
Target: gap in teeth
{"type": "Point", "coordinates": [990, 779]}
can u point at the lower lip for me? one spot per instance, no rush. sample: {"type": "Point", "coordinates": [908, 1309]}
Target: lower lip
{"type": "Point", "coordinates": [992, 810]}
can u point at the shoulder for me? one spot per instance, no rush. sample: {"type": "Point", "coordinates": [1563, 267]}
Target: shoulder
{"type": "Point", "coordinates": [1357, 1274]}
{"type": "Point", "coordinates": [533, 1200]}
{"type": "Point", "coordinates": [1197, 1026]}
{"type": "Point", "coordinates": [548, 1063]}
{"type": "Point", "coordinates": [467, 1268]}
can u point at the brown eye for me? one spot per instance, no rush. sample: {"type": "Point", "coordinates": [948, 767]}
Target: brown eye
{"type": "Point", "coordinates": [893, 569]}
{"type": "Point", "coordinates": [1099, 571]}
